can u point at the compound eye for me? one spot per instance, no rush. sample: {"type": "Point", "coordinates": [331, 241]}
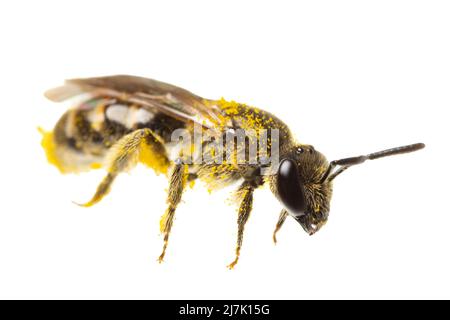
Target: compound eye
{"type": "Point", "coordinates": [290, 187]}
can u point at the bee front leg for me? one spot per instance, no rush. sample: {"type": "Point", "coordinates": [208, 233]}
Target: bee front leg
{"type": "Point", "coordinates": [281, 220]}
{"type": "Point", "coordinates": [178, 181]}
{"type": "Point", "coordinates": [141, 145]}
{"type": "Point", "coordinates": [246, 194]}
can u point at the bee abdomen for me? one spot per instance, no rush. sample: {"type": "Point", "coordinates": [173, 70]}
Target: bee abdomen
{"type": "Point", "coordinates": [84, 134]}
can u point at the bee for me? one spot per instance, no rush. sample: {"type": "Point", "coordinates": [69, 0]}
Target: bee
{"type": "Point", "coordinates": [121, 120]}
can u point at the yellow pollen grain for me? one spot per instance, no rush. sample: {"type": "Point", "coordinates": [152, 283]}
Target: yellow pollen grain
{"type": "Point", "coordinates": [96, 165]}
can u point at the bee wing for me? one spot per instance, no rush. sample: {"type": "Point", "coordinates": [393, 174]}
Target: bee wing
{"type": "Point", "coordinates": [151, 94]}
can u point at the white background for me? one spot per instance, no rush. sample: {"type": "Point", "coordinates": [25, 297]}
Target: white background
{"type": "Point", "coordinates": [349, 77]}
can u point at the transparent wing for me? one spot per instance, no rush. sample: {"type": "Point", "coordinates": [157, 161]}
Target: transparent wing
{"type": "Point", "coordinates": [154, 95]}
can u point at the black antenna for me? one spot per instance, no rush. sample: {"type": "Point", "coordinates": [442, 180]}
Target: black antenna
{"type": "Point", "coordinates": [348, 162]}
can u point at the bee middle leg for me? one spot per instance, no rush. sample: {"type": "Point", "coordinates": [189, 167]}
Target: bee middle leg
{"type": "Point", "coordinates": [178, 181]}
{"type": "Point", "coordinates": [245, 208]}
{"type": "Point", "coordinates": [141, 145]}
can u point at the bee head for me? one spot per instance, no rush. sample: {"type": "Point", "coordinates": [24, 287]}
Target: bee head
{"type": "Point", "coordinates": [303, 182]}
{"type": "Point", "coordinates": [300, 187]}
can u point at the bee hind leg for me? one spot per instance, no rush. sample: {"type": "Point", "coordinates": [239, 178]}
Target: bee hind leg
{"type": "Point", "coordinates": [178, 181]}
{"type": "Point", "coordinates": [140, 145]}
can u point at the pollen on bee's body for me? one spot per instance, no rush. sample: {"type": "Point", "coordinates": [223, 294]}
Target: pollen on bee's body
{"type": "Point", "coordinates": [48, 143]}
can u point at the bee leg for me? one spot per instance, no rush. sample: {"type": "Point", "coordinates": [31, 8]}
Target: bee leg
{"type": "Point", "coordinates": [281, 220]}
{"type": "Point", "coordinates": [141, 145]}
{"type": "Point", "coordinates": [246, 194]}
{"type": "Point", "coordinates": [178, 181]}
